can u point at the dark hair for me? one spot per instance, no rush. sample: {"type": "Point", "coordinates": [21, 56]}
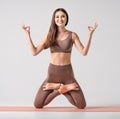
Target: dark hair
{"type": "Point", "coordinates": [53, 29]}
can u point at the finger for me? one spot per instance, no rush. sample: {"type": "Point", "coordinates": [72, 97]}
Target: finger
{"type": "Point", "coordinates": [23, 26]}
{"type": "Point", "coordinates": [95, 26]}
{"type": "Point", "coordinates": [77, 89]}
{"type": "Point", "coordinates": [44, 86]}
{"type": "Point", "coordinates": [44, 89]}
{"type": "Point", "coordinates": [90, 28]}
{"type": "Point", "coordinates": [76, 84]}
{"type": "Point", "coordinates": [28, 27]}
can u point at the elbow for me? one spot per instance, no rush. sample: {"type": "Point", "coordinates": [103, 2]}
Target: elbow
{"type": "Point", "coordinates": [84, 53]}
{"type": "Point", "coordinates": [34, 54]}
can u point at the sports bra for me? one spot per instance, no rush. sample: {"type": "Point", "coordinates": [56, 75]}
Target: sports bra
{"type": "Point", "coordinates": [64, 46]}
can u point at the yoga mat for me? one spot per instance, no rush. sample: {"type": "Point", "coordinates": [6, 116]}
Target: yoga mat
{"type": "Point", "coordinates": [58, 109]}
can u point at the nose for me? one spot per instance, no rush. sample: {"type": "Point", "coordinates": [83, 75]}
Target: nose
{"type": "Point", "coordinates": [60, 19]}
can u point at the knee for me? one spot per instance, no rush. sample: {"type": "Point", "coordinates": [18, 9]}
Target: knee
{"type": "Point", "coordinates": [82, 106]}
{"type": "Point", "coordinates": [37, 105]}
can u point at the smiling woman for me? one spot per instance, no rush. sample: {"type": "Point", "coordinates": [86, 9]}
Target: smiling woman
{"type": "Point", "coordinates": [61, 18]}
{"type": "Point", "coordinates": [60, 78]}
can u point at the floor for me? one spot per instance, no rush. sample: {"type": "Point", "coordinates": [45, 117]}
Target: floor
{"type": "Point", "coordinates": [12, 112]}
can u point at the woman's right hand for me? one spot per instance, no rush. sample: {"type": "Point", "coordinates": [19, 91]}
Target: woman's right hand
{"type": "Point", "coordinates": [26, 29]}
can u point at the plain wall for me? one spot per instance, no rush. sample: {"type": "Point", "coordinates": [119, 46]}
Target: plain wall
{"type": "Point", "coordinates": [21, 74]}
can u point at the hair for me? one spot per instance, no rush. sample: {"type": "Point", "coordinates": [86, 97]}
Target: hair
{"type": "Point", "coordinates": [52, 33]}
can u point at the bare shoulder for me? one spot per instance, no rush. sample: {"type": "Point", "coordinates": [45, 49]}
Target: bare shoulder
{"type": "Point", "coordinates": [74, 36]}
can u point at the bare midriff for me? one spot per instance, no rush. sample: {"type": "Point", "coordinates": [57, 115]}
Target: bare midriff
{"type": "Point", "coordinates": [60, 58]}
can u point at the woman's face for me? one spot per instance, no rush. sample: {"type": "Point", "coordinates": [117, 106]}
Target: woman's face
{"type": "Point", "coordinates": [60, 19]}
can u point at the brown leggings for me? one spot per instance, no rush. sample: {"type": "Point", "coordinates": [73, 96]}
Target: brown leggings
{"type": "Point", "coordinates": [64, 75]}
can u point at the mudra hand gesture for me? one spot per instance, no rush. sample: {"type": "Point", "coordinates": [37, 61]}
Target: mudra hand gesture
{"type": "Point", "coordinates": [92, 29]}
{"type": "Point", "coordinates": [26, 28]}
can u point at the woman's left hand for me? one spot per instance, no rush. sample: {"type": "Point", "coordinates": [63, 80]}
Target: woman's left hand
{"type": "Point", "coordinates": [92, 29]}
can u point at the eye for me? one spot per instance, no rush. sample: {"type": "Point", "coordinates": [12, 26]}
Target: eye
{"type": "Point", "coordinates": [63, 16]}
{"type": "Point", "coordinates": [57, 16]}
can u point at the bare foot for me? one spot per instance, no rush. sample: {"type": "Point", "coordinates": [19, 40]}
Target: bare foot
{"type": "Point", "coordinates": [68, 87]}
{"type": "Point", "coordinates": [51, 86]}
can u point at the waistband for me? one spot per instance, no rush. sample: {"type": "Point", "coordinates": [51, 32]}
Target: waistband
{"type": "Point", "coordinates": [60, 66]}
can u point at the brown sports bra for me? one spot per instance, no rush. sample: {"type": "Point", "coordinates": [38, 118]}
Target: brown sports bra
{"type": "Point", "coordinates": [64, 46]}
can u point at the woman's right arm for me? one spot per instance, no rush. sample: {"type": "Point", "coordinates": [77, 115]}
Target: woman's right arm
{"type": "Point", "coordinates": [34, 50]}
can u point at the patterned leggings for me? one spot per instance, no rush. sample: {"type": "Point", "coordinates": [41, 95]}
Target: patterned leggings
{"type": "Point", "coordinates": [64, 75]}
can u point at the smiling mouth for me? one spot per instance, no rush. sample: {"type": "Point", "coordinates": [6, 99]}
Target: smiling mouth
{"type": "Point", "coordinates": [60, 22]}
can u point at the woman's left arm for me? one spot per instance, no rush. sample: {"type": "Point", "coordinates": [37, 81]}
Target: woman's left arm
{"type": "Point", "coordinates": [84, 49]}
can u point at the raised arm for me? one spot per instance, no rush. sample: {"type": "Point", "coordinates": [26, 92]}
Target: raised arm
{"type": "Point", "coordinates": [81, 48]}
{"type": "Point", "coordinates": [34, 50]}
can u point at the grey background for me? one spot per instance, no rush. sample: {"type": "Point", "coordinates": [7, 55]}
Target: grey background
{"type": "Point", "coordinates": [98, 73]}
{"type": "Point", "coordinates": [59, 115]}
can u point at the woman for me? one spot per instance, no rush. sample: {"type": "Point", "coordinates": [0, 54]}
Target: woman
{"type": "Point", "coordinates": [60, 78]}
